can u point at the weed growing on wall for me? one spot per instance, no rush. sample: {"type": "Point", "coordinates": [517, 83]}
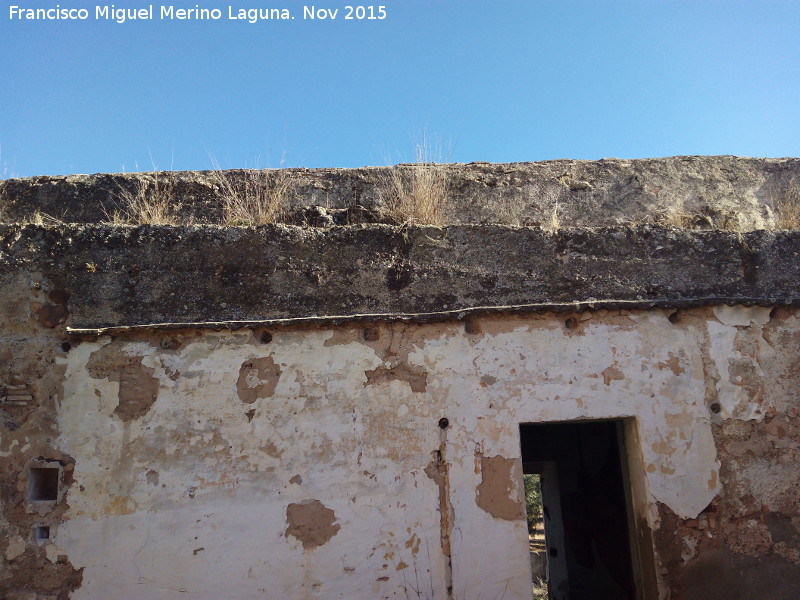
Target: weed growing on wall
{"type": "Point", "coordinates": [150, 202]}
{"type": "Point", "coordinates": [554, 223]}
{"type": "Point", "coordinates": [252, 197]}
{"type": "Point", "coordinates": [40, 218]}
{"type": "Point", "coordinates": [416, 193]}
{"type": "Point", "coordinates": [3, 202]}
{"type": "Point", "coordinates": [787, 207]}
{"type": "Point", "coordinates": [4, 174]}
{"type": "Point", "coordinates": [677, 214]}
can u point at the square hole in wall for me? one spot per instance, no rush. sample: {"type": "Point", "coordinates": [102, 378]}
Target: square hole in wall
{"type": "Point", "coordinates": [42, 533]}
{"type": "Point", "coordinates": [43, 484]}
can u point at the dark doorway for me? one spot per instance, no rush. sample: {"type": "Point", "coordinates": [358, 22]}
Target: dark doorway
{"type": "Point", "coordinates": [585, 506]}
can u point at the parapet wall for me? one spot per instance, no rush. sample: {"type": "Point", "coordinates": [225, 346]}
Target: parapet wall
{"type": "Point", "coordinates": [722, 192]}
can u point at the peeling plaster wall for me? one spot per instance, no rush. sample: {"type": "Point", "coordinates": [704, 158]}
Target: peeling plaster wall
{"type": "Point", "coordinates": [312, 462]}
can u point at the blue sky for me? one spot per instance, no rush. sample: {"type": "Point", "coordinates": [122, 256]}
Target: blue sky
{"type": "Point", "coordinates": [500, 81]}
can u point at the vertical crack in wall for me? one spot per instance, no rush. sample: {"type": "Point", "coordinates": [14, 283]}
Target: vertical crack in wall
{"type": "Point", "coordinates": [438, 470]}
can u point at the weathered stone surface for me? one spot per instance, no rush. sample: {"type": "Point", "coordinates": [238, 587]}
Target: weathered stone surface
{"type": "Point", "coordinates": [720, 191]}
{"type": "Point", "coordinates": [126, 276]}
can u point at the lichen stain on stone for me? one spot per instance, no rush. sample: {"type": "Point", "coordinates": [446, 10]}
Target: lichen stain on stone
{"type": "Point", "coordinates": [311, 522]}
{"type": "Point", "coordinates": [258, 378]}
{"type": "Point", "coordinates": [138, 387]}
{"type": "Point", "coordinates": [612, 374]}
{"type": "Point", "coordinates": [496, 490]}
{"type": "Point", "coordinates": [418, 382]}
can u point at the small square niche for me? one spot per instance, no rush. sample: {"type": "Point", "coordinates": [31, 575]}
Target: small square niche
{"type": "Point", "coordinates": [42, 533]}
{"type": "Point", "coordinates": [43, 484]}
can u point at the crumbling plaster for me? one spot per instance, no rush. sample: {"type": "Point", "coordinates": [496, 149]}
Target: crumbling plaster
{"type": "Point", "coordinates": [191, 497]}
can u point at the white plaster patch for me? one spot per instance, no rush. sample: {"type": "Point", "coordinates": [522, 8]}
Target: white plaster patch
{"type": "Point", "coordinates": [741, 316]}
{"type": "Point", "coordinates": [11, 446]}
{"type": "Point", "coordinates": [53, 552]}
{"type": "Point", "coordinates": [16, 548]}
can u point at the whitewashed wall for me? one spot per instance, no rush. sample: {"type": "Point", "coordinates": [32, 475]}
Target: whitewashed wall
{"type": "Point", "coordinates": [307, 467]}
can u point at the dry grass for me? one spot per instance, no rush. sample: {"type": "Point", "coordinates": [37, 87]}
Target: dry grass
{"type": "Point", "coordinates": [416, 193]}
{"type": "Point", "coordinates": [677, 215]}
{"type": "Point", "coordinates": [539, 207]}
{"type": "Point", "coordinates": [4, 174]}
{"type": "Point", "coordinates": [540, 589]}
{"type": "Point", "coordinates": [554, 223]}
{"type": "Point", "coordinates": [3, 202]}
{"type": "Point", "coordinates": [253, 197]}
{"type": "Point", "coordinates": [40, 218]}
{"type": "Point", "coordinates": [37, 218]}
{"type": "Point", "coordinates": [151, 202]}
{"type": "Point", "coordinates": [787, 208]}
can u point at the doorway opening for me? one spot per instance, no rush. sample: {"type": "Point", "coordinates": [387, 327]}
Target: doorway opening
{"type": "Point", "coordinates": [587, 551]}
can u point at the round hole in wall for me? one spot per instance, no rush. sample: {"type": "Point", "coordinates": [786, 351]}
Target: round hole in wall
{"type": "Point", "coordinates": [715, 407]}
{"type": "Point", "coordinates": [472, 327]}
{"type": "Point", "coordinates": [444, 423]}
{"type": "Point", "coordinates": [66, 346]}
{"type": "Point", "coordinates": [571, 323]}
{"type": "Point", "coordinates": [266, 337]}
{"type": "Point", "coordinates": [674, 317]}
{"type": "Point", "coordinates": [371, 334]}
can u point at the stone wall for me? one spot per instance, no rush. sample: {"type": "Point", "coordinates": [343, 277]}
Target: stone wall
{"type": "Point", "coordinates": [284, 412]}
{"type": "Point", "coordinates": [99, 276]}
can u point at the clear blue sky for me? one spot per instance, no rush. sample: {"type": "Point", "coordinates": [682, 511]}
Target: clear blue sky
{"type": "Point", "coordinates": [501, 81]}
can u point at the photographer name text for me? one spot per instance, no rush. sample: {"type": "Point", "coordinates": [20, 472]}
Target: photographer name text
{"type": "Point", "coordinates": [168, 12]}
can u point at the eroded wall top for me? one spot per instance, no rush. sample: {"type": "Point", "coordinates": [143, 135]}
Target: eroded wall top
{"type": "Point", "coordinates": [713, 191]}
